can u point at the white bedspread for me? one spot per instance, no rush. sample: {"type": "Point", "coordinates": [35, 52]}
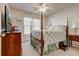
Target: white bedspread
{"type": "Point", "coordinates": [51, 38]}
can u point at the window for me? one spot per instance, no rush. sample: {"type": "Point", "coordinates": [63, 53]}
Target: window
{"type": "Point", "coordinates": [27, 25]}
{"type": "Point", "coordinates": [37, 24]}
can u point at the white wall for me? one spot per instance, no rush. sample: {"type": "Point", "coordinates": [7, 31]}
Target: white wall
{"type": "Point", "coordinates": [60, 18]}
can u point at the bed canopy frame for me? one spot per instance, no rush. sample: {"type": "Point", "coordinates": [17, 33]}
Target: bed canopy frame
{"type": "Point", "coordinates": [42, 38]}
{"type": "Point", "coordinates": [42, 41]}
{"type": "Point", "coordinates": [67, 33]}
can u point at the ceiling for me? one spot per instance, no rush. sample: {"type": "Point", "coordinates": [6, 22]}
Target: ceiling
{"type": "Point", "coordinates": [31, 7]}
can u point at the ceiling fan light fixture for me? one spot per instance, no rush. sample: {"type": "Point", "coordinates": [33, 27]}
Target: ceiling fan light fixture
{"type": "Point", "coordinates": [43, 9]}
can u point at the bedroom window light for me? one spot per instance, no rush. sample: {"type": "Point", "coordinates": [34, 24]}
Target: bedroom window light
{"type": "Point", "coordinates": [36, 24]}
{"type": "Point", "coordinates": [27, 21]}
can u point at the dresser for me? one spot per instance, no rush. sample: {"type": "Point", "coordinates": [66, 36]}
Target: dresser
{"type": "Point", "coordinates": [11, 44]}
{"type": "Point", "coordinates": [73, 38]}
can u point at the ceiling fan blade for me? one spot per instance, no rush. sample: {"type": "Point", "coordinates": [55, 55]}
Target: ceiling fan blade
{"type": "Point", "coordinates": [50, 8]}
{"type": "Point", "coordinates": [41, 5]}
{"type": "Point", "coordinates": [36, 10]}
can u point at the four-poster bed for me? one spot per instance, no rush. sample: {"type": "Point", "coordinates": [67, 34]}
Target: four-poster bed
{"type": "Point", "coordinates": [46, 41]}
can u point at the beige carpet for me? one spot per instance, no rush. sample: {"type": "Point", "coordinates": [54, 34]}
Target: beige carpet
{"type": "Point", "coordinates": [70, 52]}
{"type": "Point", "coordinates": [27, 50]}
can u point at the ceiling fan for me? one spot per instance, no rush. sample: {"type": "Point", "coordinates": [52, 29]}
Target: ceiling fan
{"type": "Point", "coordinates": [42, 7]}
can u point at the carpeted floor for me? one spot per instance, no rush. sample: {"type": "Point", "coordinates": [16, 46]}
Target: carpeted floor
{"type": "Point", "coordinates": [69, 52]}
{"type": "Point", "coordinates": [27, 50]}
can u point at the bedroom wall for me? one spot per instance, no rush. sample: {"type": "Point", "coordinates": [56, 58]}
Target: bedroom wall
{"type": "Point", "coordinates": [60, 17]}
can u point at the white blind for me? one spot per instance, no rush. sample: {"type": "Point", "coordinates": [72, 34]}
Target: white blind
{"type": "Point", "coordinates": [29, 22]}
{"type": "Point", "coordinates": [37, 24]}
{"type": "Point", "coordinates": [27, 25]}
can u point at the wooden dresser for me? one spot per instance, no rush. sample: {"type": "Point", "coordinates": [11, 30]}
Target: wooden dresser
{"type": "Point", "coordinates": [73, 38]}
{"type": "Point", "coordinates": [11, 44]}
